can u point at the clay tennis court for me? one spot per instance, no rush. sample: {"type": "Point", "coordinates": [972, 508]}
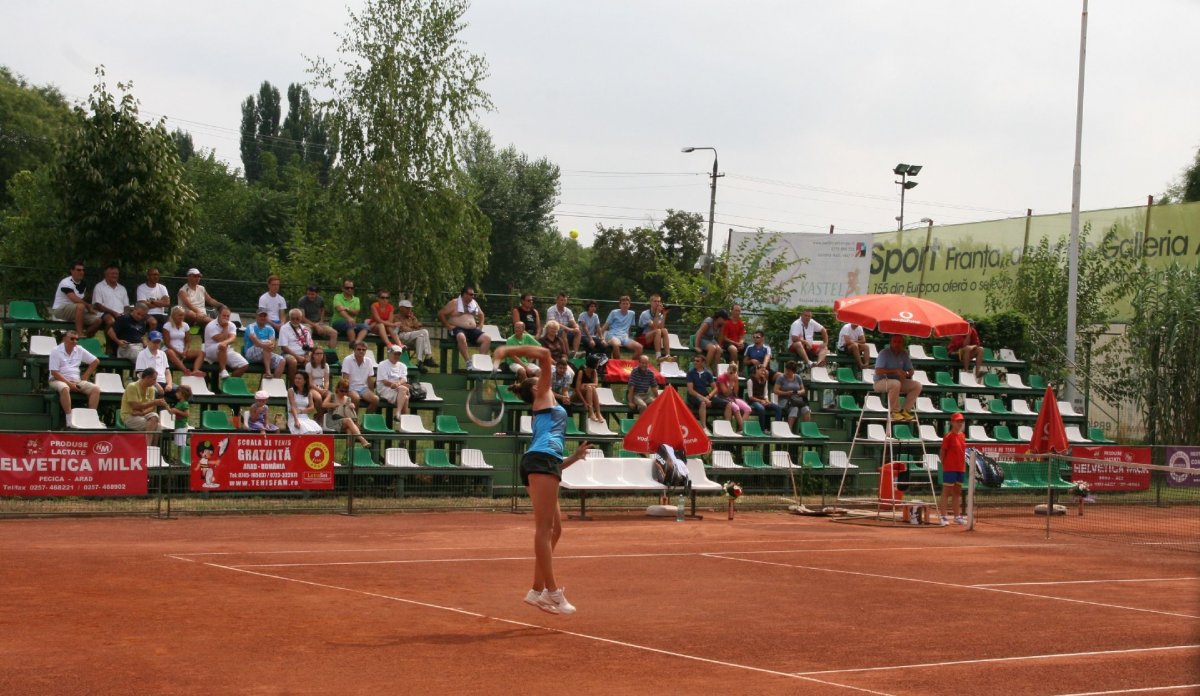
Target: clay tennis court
{"type": "Point", "coordinates": [431, 603]}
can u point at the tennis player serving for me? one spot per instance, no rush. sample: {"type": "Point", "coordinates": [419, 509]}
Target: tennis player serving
{"type": "Point", "coordinates": [541, 471]}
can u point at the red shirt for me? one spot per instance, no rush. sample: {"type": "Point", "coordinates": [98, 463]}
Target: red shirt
{"type": "Point", "coordinates": [954, 452]}
{"type": "Point", "coordinates": [735, 330]}
{"type": "Point", "coordinates": [971, 338]}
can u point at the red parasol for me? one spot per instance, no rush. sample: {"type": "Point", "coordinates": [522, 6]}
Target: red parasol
{"type": "Point", "coordinates": [1049, 434]}
{"type": "Point", "coordinates": [899, 314]}
{"type": "Point", "coordinates": [667, 421]}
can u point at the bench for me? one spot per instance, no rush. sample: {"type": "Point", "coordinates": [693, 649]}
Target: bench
{"type": "Point", "coordinates": [625, 474]}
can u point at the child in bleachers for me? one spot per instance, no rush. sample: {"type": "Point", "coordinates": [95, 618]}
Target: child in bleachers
{"type": "Point", "coordinates": [259, 412]}
{"type": "Point", "coordinates": [181, 412]}
{"type": "Point", "coordinates": [954, 467]}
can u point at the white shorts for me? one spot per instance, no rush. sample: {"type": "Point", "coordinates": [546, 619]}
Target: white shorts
{"type": "Point", "coordinates": [233, 359]}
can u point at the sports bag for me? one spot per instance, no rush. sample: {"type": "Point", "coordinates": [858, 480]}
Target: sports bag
{"type": "Point", "coordinates": [669, 470]}
{"type": "Point", "coordinates": [417, 392]}
{"type": "Point", "coordinates": [987, 470]}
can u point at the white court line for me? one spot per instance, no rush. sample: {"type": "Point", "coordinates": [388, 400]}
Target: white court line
{"type": "Point", "coordinates": [1076, 582]}
{"type": "Point", "coordinates": [1133, 691]}
{"type": "Point", "coordinates": [1019, 658]}
{"type": "Point", "coordinates": [610, 641]}
{"type": "Point", "coordinates": [950, 584]}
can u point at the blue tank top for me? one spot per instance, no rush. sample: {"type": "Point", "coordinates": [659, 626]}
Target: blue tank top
{"type": "Point", "coordinates": [549, 427]}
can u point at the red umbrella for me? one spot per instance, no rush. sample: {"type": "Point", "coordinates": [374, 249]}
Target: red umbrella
{"type": "Point", "coordinates": [899, 314]}
{"type": "Point", "coordinates": [667, 421]}
{"type": "Point", "coordinates": [1049, 434]}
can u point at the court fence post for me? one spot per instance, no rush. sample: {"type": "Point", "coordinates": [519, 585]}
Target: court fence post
{"type": "Point", "coordinates": [350, 475]}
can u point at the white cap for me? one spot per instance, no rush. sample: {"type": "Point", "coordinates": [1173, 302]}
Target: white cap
{"type": "Point", "coordinates": [193, 271]}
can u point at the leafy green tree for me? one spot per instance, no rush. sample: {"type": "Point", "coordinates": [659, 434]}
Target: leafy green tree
{"type": "Point", "coordinates": [32, 119]}
{"type": "Point", "coordinates": [633, 261]}
{"type": "Point", "coordinates": [1186, 188]}
{"type": "Point", "coordinates": [404, 91]}
{"type": "Point", "coordinates": [268, 145]}
{"type": "Point", "coordinates": [183, 144]}
{"type": "Point", "coordinates": [34, 217]}
{"type": "Point", "coordinates": [120, 184]}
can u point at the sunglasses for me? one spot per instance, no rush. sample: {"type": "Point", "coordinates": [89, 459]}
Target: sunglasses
{"type": "Point", "coordinates": [384, 297]}
{"type": "Point", "coordinates": [347, 287]}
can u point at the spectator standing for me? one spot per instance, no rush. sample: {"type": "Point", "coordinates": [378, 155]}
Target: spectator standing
{"type": "Point", "coordinates": [155, 295]}
{"type": "Point", "coordinates": [347, 309]}
{"type": "Point", "coordinates": [219, 336]}
{"type": "Point", "coordinates": [413, 333]}
{"type": "Point", "coordinates": [359, 370]}
{"type": "Point", "coordinates": [562, 314]}
{"type": "Point", "coordinates": [154, 356]}
{"type": "Point", "coordinates": [758, 395]}
{"type": "Point", "coordinates": [804, 341]}
{"type": "Point", "coordinates": [65, 377]}
{"type": "Point", "coordinates": [391, 380]}
{"type": "Point", "coordinates": [527, 313]}
{"type": "Point", "coordinates": [853, 341]}
{"type": "Point", "coordinates": [110, 298]}
{"type": "Point", "coordinates": [653, 323]}
{"type": "Point", "coordinates": [195, 300]}
{"type": "Point", "coordinates": [523, 367]}
{"type": "Point", "coordinates": [140, 404]}
{"type": "Point", "coordinates": [69, 303]}
{"type": "Point", "coordinates": [589, 329]}
{"type": "Point", "coordinates": [128, 333]}
{"type": "Point", "coordinates": [968, 347]}
{"type": "Point", "coordinates": [260, 344]}
{"type": "Point", "coordinates": [312, 306]}
{"type": "Point", "coordinates": [273, 302]}
{"type": "Point", "coordinates": [791, 395]}
{"type": "Point", "coordinates": [616, 330]}
{"type": "Point", "coordinates": [643, 385]}
{"type": "Point", "coordinates": [178, 337]}
{"type": "Point", "coordinates": [954, 469]}
{"type": "Point", "coordinates": [381, 321]}
{"type": "Point", "coordinates": [463, 318]}
{"type": "Point", "coordinates": [893, 376]}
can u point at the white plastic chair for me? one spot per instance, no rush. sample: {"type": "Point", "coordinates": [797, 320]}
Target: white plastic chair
{"type": "Point", "coordinates": [699, 477]}
{"type": "Point", "coordinates": [670, 368]}
{"type": "Point", "coordinates": [1025, 432]}
{"type": "Point", "coordinates": [922, 377]}
{"type": "Point", "coordinates": [412, 423]}
{"type": "Point", "coordinates": [722, 459]}
{"type": "Point", "coordinates": [876, 433]}
{"type": "Point", "coordinates": [977, 433]}
{"type": "Point", "coordinates": [578, 476]}
{"type": "Point", "coordinates": [1007, 355]}
{"type": "Point", "coordinates": [874, 404]}
{"type": "Point", "coordinates": [275, 387]}
{"type": "Point", "coordinates": [967, 379]}
{"type": "Point", "coordinates": [606, 472]}
{"type": "Point", "coordinates": [1075, 436]}
{"type": "Point", "coordinates": [431, 395]}
{"type": "Point", "coordinates": [638, 472]}
{"type": "Point", "coordinates": [398, 457]}
{"type": "Point", "coordinates": [723, 428]}
{"type": "Point", "coordinates": [925, 405]}
{"type": "Point", "coordinates": [1014, 380]}
{"type": "Point", "coordinates": [932, 462]}
{"type": "Point", "coordinates": [493, 332]}
{"type": "Point", "coordinates": [674, 343]}
{"type": "Point", "coordinates": [1065, 408]}
{"type": "Point", "coordinates": [599, 429]}
{"type": "Point", "coordinates": [473, 459]}
{"type": "Point", "coordinates": [198, 386]}
{"type": "Point", "coordinates": [929, 433]}
{"type": "Point", "coordinates": [481, 362]}
{"type": "Point", "coordinates": [606, 397]}
{"type": "Point", "coordinates": [840, 460]}
{"type": "Point", "coordinates": [872, 350]}
{"type": "Point", "coordinates": [41, 345]}
{"type": "Point", "coordinates": [1021, 408]}
{"type": "Point", "coordinates": [917, 352]}
{"type": "Point", "coordinates": [592, 453]}
{"type": "Point", "coordinates": [780, 459]}
{"type": "Point", "coordinates": [973, 405]}
{"type": "Point", "coordinates": [820, 374]}
{"type": "Point", "coordinates": [235, 318]}
{"type": "Point", "coordinates": [109, 382]}
{"type": "Point", "coordinates": [781, 431]}
{"type": "Point", "coordinates": [153, 457]}
{"type": "Point", "coordinates": [868, 375]}
{"type": "Point", "coordinates": [85, 419]}
{"type": "Point", "coordinates": [526, 426]}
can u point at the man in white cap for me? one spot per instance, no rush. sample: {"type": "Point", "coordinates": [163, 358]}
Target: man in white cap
{"type": "Point", "coordinates": [154, 356]}
{"type": "Point", "coordinates": [413, 333]}
{"type": "Point", "coordinates": [391, 380]}
{"type": "Point", "coordinates": [195, 300]}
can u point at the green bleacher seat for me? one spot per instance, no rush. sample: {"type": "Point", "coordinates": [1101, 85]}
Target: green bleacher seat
{"type": "Point", "coordinates": [437, 459]}
{"type": "Point", "coordinates": [846, 402]}
{"type": "Point", "coordinates": [92, 345]}
{"type": "Point", "coordinates": [991, 380]}
{"type": "Point", "coordinates": [23, 310]}
{"type": "Point", "coordinates": [235, 386]}
{"type": "Point", "coordinates": [216, 420]}
{"type": "Point", "coordinates": [949, 405]}
{"type": "Point", "coordinates": [1037, 382]}
{"type": "Point", "coordinates": [751, 428]}
{"type": "Point", "coordinates": [997, 407]}
{"type": "Point", "coordinates": [753, 459]}
{"type": "Point", "coordinates": [988, 355]}
{"type": "Point", "coordinates": [1097, 435]}
{"type": "Point", "coordinates": [846, 376]}
{"type": "Point", "coordinates": [940, 353]}
{"type": "Point", "coordinates": [507, 397]}
{"type": "Point", "coordinates": [375, 423]}
{"type": "Point", "coordinates": [1003, 434]}
{"type": "Point", "coordinates": [943, 379]}
{"type": "Point", "coordinates": [627, 425]}
{"type": "Point", "coordinates": [448, 425]}
{"type": "Point", "coordinates": [573, 429]}
{"type": "Point", "coordinates": [809, 429]}
{"type": "Point", "coordinates": [812, 460]}
{"type": "Point", "coordinates": [363, 457]}
{"type": "Point", "coordinates": [902, 432]}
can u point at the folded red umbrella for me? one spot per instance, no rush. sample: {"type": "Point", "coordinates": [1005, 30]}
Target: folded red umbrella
{"type": "Point", "coordinates": [1049, 433]}
{"type": "Point", "coordinates": [667, 421]}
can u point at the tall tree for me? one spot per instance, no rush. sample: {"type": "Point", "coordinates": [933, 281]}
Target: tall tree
{"type": "Point", "coordinates": [1186, 188]}
{"type": "Point", "coordinates": [404, 90]}
{"type": "Point", "coordinates": [631, 262]}
{"type": "Point", "coordinates": [120, 184]}
{"type": "Point", "coordinates": [32, 119]}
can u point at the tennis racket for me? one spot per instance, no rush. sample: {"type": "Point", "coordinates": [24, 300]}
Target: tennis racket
{"type": "Point", "coordinates": [485, 405]}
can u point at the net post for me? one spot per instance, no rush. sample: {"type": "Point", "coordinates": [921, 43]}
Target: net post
{"type": "Point", "coordinates": [970, 489]}
{"type": "Point", "coordinates": [1049, 494]}
{"type": "Point", "coordinates": [350, 442]}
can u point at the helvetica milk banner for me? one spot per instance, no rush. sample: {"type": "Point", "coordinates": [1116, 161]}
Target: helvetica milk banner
{"type": "Point", "coordinates": [261, 462]}
{"type": "Point", "coordinates": [69, 464]}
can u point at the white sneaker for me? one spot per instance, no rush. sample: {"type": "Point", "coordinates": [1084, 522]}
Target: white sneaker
{"type": "Point", "coordinates": [960, 520]}
{"type": "Point", "coordinates": [536, 599]}
{"type": "Point", "coordinates": [224, 374]}
{"type": "Point", "coordinates": [943, 520]}
{"type": "Point", "coordinates": [558, 600]}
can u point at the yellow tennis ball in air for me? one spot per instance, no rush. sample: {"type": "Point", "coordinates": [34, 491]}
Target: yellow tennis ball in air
{"type": "Point", "coordinates": [574, 234]}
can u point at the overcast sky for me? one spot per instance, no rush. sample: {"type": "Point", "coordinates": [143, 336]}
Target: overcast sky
{"type": "Point", "coordinates": [810, 104]}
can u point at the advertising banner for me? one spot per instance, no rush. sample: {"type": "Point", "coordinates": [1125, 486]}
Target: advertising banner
{"type": "Point", "coordinates": [1184, 457]}
{"type": "Point", "coordinates": [838, 265]}
{"type": "Point", "coordinates": [254, 462]}
{"type": "Point", "coordinates": [1112, 477]}
{"type": "Point", "coordinates": [69, 464]}
{"type": "Point", "coordinates": [1001, 452]}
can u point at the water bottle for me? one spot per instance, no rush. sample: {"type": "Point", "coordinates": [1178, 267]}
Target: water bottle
{"type": "Point", "coordinates": [679, 509]}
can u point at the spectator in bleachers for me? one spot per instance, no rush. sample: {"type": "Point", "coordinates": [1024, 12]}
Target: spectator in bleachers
{"type": "Point", "coordinates": [128, 333]}
{"type": "Point", "coordinates": [709, 339]}
{"type": "Point", "coordinates": [155, 295]}
{"type": "Point", "coordinates": [653, 324]}
{"type": "Point", "coordinates": [736, 409]}
{"type": "Point", "coordinates": [70, 304]}
{"type": "Point", "coordinates": [273, 302]}
{"type": "Point", "coordinates": [381, 321]}
{"type": "Point", "coordinates": [196, 300]}
{"type": "Point", "coordinates": [702, 389]}
{"type": "Point", "coordinates": [257, 419]}
{"type": "Point", "coordinates": [735, 330]}
{"type": "Point", "coordinates": [967, 347]}
{"type": "Point", "coordinates": [302, 403]}
{"type": "Point", "coordinates": [318, 374]}
{"type": "Point", "coordinates": [561, 379]}
{"type": "Point", "coordinates": [154, 356]}
{"type": "Point", "coordinates": [791, 395]}
{"type": "Point", "coordinates": [296, 342]}
{"type": "Point", "coordinates": [312, 305]}
{"type": "Point", "coordinates": [560, 313]}
{"type": "Point", "coordinates": [260, 344]}
{"type": "Point", "coordinates": [110, 298]}
{"type": "Point", "coordinates": [525, 312]}
{"type": "Point", "coordinates": [413, 333]}
{"type": "Point", "coordinates": [616, 330]}
{"type": "Point", "coordinates": [359, 370]}
{"type": "Point", "coordinates": [643, 385]}
{"type": "Point", "coordinates": [804, 343]}
{"type": "Point", "coordinates": [852, 341]}
{"type": "Point", "coordinates": [464, 319]}
{"type": "Point", "coordinates": [587, 381]}
{"type": "Point", "coordinates": [219, 336]}
{"type": "Point", "coordinates": [893, 376]}
{"type": "Point", "coordinates": [589, 330]}
{"type": "Point", "coordinates": [954, 467]}
{"type": "Point", "coordinates": [181, 409]}
{"type": "Point", "coordinates": [758, 353]}
{"type": "Point", "coordinates": [554, 340]}
{"type": "Point", "coordinates": [347, 309]}
{"type": "Point", "coordinates": [178, 336]}
{"type": "Point", "coordinates": [65, 377]}
{"type": "Point", "coordinates": [343, 411]}
{"type": "Point", "coordinates": [758, 395]}
{"type": "Point", "coordinates": [140, 404]}
{"type": "Point", "coordinates": [391, 380]}
{"type": "Point", "coordinates": [523, 367]}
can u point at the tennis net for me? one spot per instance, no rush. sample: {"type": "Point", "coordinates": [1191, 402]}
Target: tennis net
{"type": "Point", "coordinates": [1132, 503]}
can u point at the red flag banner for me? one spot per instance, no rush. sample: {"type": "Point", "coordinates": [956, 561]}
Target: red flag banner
{"type": "Point", "coordinates": [36, 464]}
{"type": "Point", "coordinates": [261, 463]}
{"type": "Point", "coordinates": [1049, 434]}
{"type": "Point", "coordinates": [618, 371]}
{"type": "Point", "coordinates": [1112, 477]}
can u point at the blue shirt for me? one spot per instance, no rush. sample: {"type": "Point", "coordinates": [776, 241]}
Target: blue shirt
{"type": "Point", "coordinates": [618, 324]}
{"type": "Point", "coordinates": [702, 380]}
{"type": "Point", "coordinates": [590, 323]}
{"type": "Point", "coordinates": [887, 359]}
{"type": "Point", "coordinates": [549, 428]}
{"type": "Point", "coordinates": [753, 352]}
{"type": "Point", "coordinates": [267, 333]}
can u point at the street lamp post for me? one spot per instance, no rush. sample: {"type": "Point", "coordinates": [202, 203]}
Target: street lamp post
{"type": "Point", "coordinates": [904, 171]}
{"type": "Point", "coordinates": [925, 254]}
{"type": "Point", "coordinates": [712, 208]}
